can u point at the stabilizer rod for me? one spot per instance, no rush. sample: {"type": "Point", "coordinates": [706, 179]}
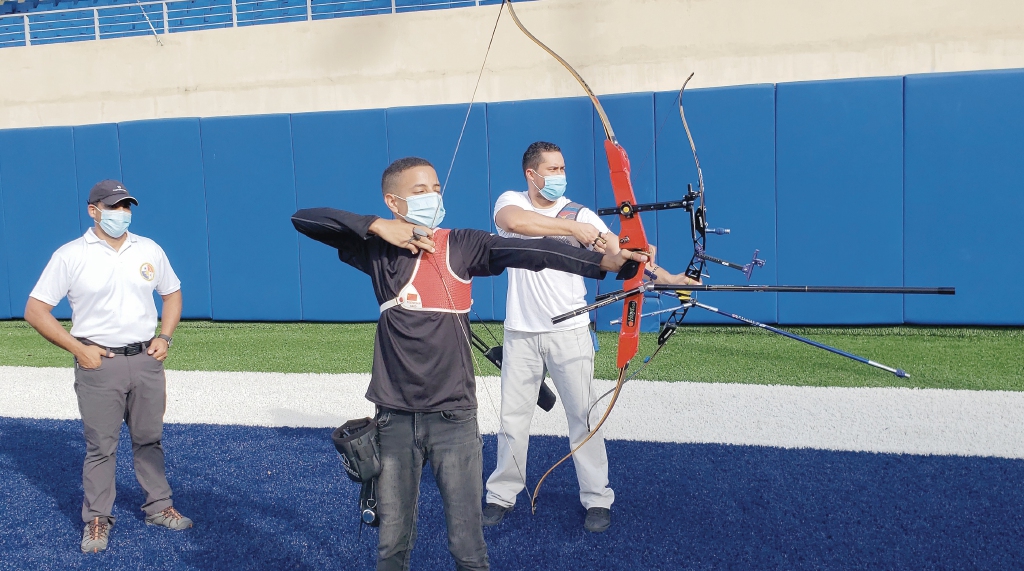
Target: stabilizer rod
{"type": "Point", "coordinates": [611, 297]}
{"type": "Point", "coordinates": [806, 289]}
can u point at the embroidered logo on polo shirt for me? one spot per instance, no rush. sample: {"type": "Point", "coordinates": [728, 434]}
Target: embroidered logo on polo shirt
{"type": "Point", "coordinates": [147, 272]}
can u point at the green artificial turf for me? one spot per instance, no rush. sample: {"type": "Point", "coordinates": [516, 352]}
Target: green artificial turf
{"type": "Point", "coordinates": [961, 358]}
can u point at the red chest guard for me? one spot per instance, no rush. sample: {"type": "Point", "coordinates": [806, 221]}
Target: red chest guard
{"type": "Point", "coordinates": [433, 285]}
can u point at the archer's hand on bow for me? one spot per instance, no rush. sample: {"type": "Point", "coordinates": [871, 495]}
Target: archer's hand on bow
{"type": "Point", "coordinates": [663, 276]}
{"type": "Point", "coordinates": [404, 235]}
{"type": "Point", "coordinates": [613, 262]}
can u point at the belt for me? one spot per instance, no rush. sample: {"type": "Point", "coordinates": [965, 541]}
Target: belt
{"type": "Point", "coordinates": [127, 350]}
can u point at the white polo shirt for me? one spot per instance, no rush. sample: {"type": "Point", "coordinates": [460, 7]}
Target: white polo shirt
{"type": "Point", "coordinates": [110, 291]}
{"type": "Point", "coordinates": [535, 297]}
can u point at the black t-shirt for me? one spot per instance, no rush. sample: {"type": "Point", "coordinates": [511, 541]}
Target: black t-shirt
{"type": "Point", "coordinates": [422, 360]}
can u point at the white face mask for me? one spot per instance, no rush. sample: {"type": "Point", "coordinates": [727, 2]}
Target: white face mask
{"type": "Point", "coordinates": [554, 186]}
{"type": "Point", "coordinates": [425, 209]}
{"type": "Point", "coordinates": [115, 222]}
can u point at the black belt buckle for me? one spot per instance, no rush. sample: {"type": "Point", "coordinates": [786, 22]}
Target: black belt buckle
{"type": "Point", "coordinates": [133, 349]}
{"type": "Point", "coordinates": [129, 350]}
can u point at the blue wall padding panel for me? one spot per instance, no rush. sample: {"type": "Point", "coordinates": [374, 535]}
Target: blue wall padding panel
{"type": "Point", "coordinates": [887, 181]}
{"type": "Point", "coordinates": [734, 133]}
{"type": "Point", "coordinates": [512, 126]}
{"type": "Point", "coordinates": [839, 161]}
{"type": "Point", "coordinates": [41, 179]}
{"type": "Point", "coordinates": [250, 192]}
{"type": "Point", "coordinates": [162, 162]}
{"type": "Point", "coordinates": [632, 117]}
{"type": "Point", "coordinates": [965, 196]}
{"type": "Point", "coordinates": [432, 133]}
{"type": "Point", "coordinates": [5, 292]}
{"type": "Point", "coordinates": [96, 159]}
{"type": "Point", "coordinates": [339, 158]}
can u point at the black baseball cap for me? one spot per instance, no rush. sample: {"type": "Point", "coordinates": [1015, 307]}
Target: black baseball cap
{"type": "Point", "coordinates": [110, 192]}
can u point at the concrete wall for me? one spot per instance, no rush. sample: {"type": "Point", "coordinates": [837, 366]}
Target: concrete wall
{"type": "Point", "coordinates": [429, 58]}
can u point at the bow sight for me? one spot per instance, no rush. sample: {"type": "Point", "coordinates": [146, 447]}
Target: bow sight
{"type": "Point", "coordinates": [698, 227]}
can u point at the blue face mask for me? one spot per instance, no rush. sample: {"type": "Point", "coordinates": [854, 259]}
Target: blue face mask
{"type": "Point", "coordinates": [554, 186]}
{"type": "Point", "coordinates": [115, 222]}
{"type": "Point", "coordinates": [425, 209]}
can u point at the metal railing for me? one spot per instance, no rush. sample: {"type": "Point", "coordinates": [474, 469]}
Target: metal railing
{"type": "Point", "coordinates": [172, 16]}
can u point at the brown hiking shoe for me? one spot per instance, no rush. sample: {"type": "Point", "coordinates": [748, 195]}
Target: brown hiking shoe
{"type": "Point", "coordinates": [169, 518]}
{"type": "Point", "coordinates": [95, 535]}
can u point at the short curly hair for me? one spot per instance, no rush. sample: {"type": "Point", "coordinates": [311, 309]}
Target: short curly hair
{"type": "Point", "coordinates": [535, 154]}
{"type": "Point", "coordinates": [396, 168]}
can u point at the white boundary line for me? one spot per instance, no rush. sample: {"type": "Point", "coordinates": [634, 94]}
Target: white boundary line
{"type": "Point", "coordinates": [894, 420]}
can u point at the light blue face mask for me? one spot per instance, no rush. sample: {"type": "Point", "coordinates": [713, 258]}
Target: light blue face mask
{"type": "Point", "coordinates": [425, 209]}
{"type": "Point", "coordinates": [554, 186]}
{"type": "Point", "coordinates": [115, 222]}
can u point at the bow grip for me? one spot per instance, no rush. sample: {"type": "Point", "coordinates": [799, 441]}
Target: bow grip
{"type": "Point", "coordinates": [628, 270]}
{"type": "Point", "coordinates": [632, 235]}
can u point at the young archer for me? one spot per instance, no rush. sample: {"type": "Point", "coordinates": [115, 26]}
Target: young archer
{"type": "Point", "coordinates": [422, 379]}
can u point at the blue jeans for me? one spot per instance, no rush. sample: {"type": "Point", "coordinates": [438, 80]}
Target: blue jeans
{"type": "Point", "coordinates": [450, 441]}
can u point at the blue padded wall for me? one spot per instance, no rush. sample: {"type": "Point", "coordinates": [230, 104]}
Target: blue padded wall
{"type": "Point", "coordinates": [632, 117]}
{"type": "Point", "coordinates": [512, 126]}
{"type": "Point", "coordinates": [432, 133]}
{"type": "Point", "coordinates": [734, 133]}
{"type": "Point", "coordinates": [5, 292]}
{"type": "Point", "coordinates": [41, 177]}
{"type": "Point", "coordinates": [96, 159]}
{"type": "Point", "coordinates": [888, 181]}
{"type": "Point", "coordinates": [250, 192]}
{"type": "Point", "coordinates": [162, 162]}
{"type": "Point", "coordinates": [965, 196]}
{"type": "Point", "coordinates": [839, 161]}
{"type": "Point", "coordinates": [339, 158]}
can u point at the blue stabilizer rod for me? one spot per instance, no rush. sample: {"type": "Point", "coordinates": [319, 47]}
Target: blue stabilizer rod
{"type": "Point", "coordinates": [898, 372]}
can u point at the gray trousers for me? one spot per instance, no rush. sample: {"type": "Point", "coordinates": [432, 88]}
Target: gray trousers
{"type": "Point", "coordinates": [569, 357]}
{"type": "Point", "coordinates": [450, 441]}
{"type": "Point", "coordinates": [133, 390]}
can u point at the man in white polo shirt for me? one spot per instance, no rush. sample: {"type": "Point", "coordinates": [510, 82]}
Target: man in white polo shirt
{"type": "Point", "coordinates": [533, 345]}
{"type": "Point", "coordinates": [109, 277]}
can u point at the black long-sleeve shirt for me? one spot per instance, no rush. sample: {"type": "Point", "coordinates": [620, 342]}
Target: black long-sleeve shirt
{"type": "Point", "coordinates": [422, 360]}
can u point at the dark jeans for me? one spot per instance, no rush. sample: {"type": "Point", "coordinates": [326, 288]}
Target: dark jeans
{"type": "Point", "coordinates": [450, 441]}
{"type": "Point", "coordinates": [131, 390]}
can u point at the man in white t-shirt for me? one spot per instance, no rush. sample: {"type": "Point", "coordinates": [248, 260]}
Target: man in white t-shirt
{"type": "Point", "coordinates": [533, 345]}
{"type": "Point", "coordinates": [109, 276]}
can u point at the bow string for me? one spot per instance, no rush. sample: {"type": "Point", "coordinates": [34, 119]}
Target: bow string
{"type": "Point", "coordinates": [631, 237]}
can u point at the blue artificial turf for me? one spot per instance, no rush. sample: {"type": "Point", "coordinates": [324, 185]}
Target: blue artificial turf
{"type": "Point", "coordinates": [276, 498]}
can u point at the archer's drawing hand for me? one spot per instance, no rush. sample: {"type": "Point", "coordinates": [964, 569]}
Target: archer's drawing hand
{"type": "Point", "coordinates": [613, 262]}
{"type": "Point", "coordinates": [607, 243]}
{"type": "Point", "coordinates": [588, 235]}
{"type": "Point", "coordinates": [404, 235]}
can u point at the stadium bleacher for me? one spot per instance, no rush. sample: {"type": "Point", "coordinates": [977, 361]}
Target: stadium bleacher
{"type": "Point", "coordinates": [36, 22]}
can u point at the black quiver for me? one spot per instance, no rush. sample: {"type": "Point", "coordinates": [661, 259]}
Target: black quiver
{"type": "Point", "coordinates": [356, 441]}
